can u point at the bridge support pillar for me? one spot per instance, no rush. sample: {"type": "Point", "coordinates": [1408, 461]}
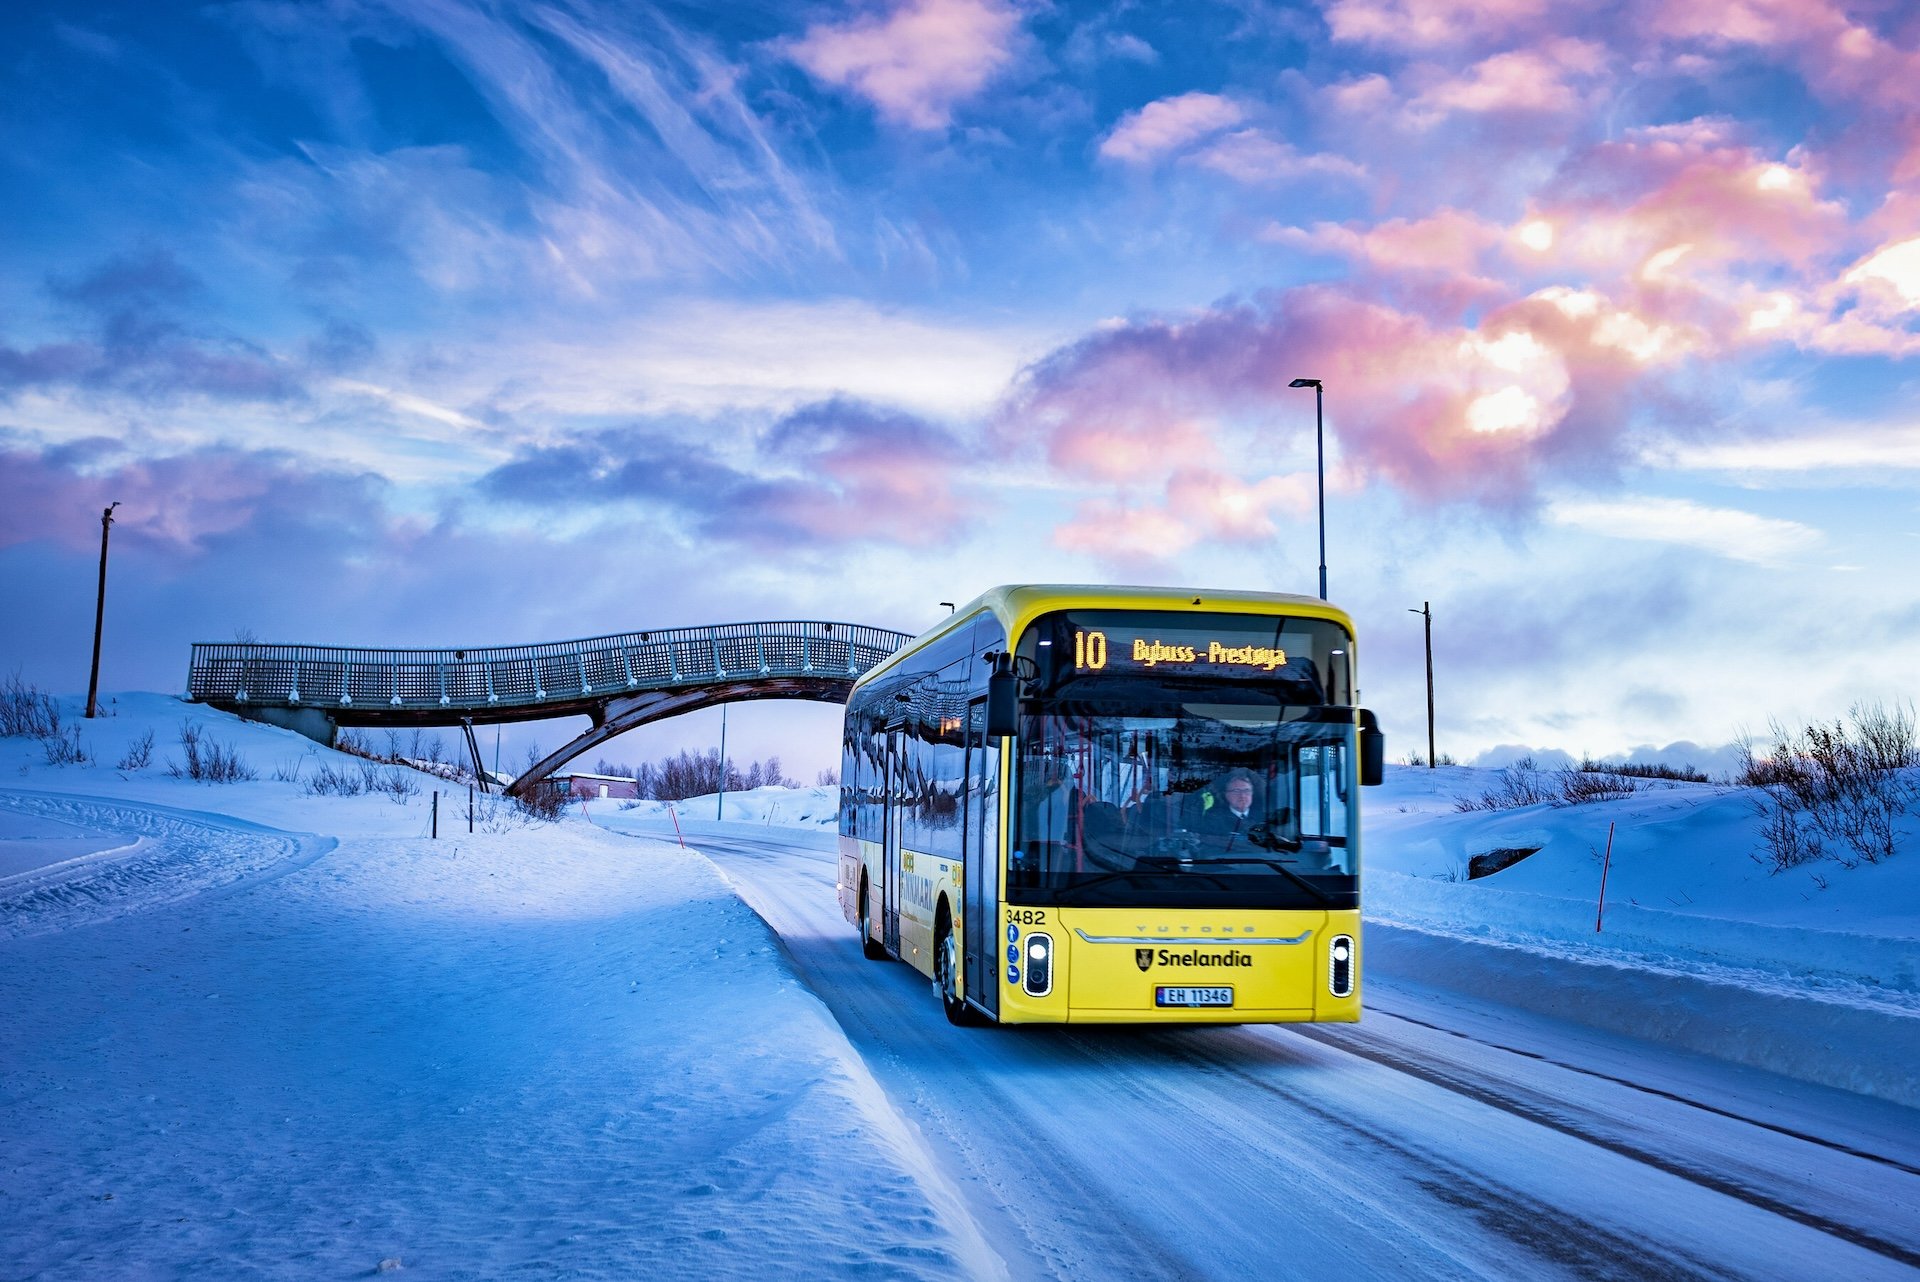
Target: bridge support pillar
{"type": "Point", "coordinates": [311, 722]}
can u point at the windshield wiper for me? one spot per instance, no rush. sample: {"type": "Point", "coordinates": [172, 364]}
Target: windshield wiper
{"type": "Point", "coordinates": [1105, 877]}
{"type": "Point", "coordinates": [1278, 867]}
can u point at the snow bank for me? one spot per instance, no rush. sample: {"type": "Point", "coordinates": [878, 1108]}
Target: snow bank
{"type": "Point", "coordinates": [1813, 973]}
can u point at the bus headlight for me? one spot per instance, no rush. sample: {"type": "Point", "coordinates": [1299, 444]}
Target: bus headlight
{"type": "Point", "coordinates": [1039, 977]}
{"type": "Point", "coordinates": [1340, 966]}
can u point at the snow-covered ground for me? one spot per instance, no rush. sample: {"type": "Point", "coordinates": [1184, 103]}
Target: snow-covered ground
{"type": "Point", "coordinates": [234, 1046]}
{"type": "Point", "coordinates": [251, 1028]}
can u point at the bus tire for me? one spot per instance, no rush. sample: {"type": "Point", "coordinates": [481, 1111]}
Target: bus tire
{"type": "Point", "coordinates": [871, 948]}
{"type": "Point", "coordinates": [946, 966]}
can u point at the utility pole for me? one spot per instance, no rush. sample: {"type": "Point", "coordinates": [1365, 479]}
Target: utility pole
{"type": "Point", "coordinates": [1426, 612]}
{"type": "Point", "coordinates": [99, 613]}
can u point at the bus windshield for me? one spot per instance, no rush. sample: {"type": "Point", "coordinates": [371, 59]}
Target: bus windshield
{"type": "Point", "coordinates": [1177, 788]}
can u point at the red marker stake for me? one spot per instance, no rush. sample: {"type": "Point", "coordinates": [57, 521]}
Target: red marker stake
{"type": "Point", "coordinates": [1605, 864]}
{"type": "Point", "coordinates": [676, 826]}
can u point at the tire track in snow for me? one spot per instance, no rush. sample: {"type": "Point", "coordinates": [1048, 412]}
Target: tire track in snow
{"type": "Point", "coordinates": [1787, 1131]}
{"type": "Point", "coordinates": [174, 856]}
{"type": "Point", "coordinates": [1552, 1115]}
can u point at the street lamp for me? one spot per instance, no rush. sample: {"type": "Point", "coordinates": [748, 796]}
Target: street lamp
{"type": "Point", "coordinates": [99, 613]}
{"type": "Point", "coordinates": [1319, 467]}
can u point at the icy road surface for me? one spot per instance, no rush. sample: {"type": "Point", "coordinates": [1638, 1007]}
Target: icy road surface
{"type": "Point", "coordinates": [1438, 1139]}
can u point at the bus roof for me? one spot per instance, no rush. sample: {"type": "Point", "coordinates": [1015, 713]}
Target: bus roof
{"type": "Point", "coordinates": [1017, 604]}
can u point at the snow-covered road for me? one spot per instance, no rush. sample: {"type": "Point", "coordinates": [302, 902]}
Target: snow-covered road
{"type": "Point", "coordinates": [1440, 1138]}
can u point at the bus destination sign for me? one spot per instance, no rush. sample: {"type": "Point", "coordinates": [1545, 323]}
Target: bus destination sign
{"type": "Point", "coordinates": [1094, 651]}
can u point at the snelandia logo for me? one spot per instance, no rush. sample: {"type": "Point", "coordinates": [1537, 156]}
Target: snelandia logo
{"type": "Point", "coordinates": [1143, 958]}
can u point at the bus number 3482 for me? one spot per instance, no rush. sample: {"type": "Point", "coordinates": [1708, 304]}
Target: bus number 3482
{"type": "Point", "coordinates": [1027, 916]}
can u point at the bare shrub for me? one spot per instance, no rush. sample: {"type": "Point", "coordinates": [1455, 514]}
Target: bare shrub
{"type": "Point", "coordinates": [1594, 781]}
{"type": "Point", "coordinates": [828, 778]}
{"type": "Point", "coordinates": [25, 712]}
{"type": "Point", "coordinates": [1522, 783]}
{"type": "Point", "coordinates": [1652, 770]}
{"type": "Point", "coordinates": [65, 749]}
{"type": "Point", "coordinates": [355, 745]}
{"type": "Point", "coordinates": [1419, 758]}
{"type": "Point", "coordinates": [1834, 789]}
{"type": "Point", "coordinates": [139, 754]}
{"type": "Point", "coordinates": [398, 785]}
{"type": "Point", "coordinates": [544, 804]}
{"type": "Point", "coordinates": [327, 781]}
{"type": "Point", "coordinates": [289, 771]}
{"type": "Point", "coordinates": [207, 760]}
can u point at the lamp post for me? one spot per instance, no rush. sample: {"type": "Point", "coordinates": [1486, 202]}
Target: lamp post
{"type": "Point", "coordinates": [1426, 612]}
{"type": "Point", "coordinates": [99, 613]}
{"type": "Point", "coordinates": [1319, 467]}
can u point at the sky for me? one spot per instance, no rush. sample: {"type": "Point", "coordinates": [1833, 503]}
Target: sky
{"type": "Point", "coordinates": [442, 323]}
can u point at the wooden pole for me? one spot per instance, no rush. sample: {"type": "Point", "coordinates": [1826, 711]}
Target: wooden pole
{"type": "Point", "coordinates": [99, 613]}
{"type": "Point", "coordinates": [436, 814]}
{"type": "Point", "coordinates": [1433, 758]}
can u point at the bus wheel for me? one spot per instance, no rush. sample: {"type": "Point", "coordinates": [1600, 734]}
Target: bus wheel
{"type": "Point", "coordinates": [872, 948]}
{"type": "Point", "coordinates": [946, 974]}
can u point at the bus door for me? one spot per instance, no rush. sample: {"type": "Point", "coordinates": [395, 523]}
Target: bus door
{"type": "Point", "coordinates": [890, 842]}
{"type": "Point", "coordinates": [980, 846]}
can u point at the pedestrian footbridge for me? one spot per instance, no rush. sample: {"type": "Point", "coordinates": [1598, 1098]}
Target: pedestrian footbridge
{"type": "Point", "coordinates": [619, 682]}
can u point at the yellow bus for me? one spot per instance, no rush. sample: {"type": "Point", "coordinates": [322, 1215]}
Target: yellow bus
{"type": "Point", "coordinates": [1073, 804]}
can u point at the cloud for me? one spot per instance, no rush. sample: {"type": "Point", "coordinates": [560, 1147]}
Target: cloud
{"type": "Point", "coordinates": [916, 63]}
{"type": "Point", "coordinates": [1199, 503]}
{"type": "Point", "coordinates": [1429, 24]}
{"type": "Point", "coordinates": [1856, 448]}
{"type": "Point", "coordinates": [1552, 78]}
{"type": "Point", "coordinates": [181, 503]}
{"type": "Point", "coordinates": [1444, 412]}
{"type": "Point", "coordinates": [1249, 156]}
{"type": "Point", "coordinates": [137, 341]}
{"type": "Point", "coordinates": [1727, 532]}
{"type": "Point", "coordinates": [1168, 125]}
{"type": "Point", "coordinates": [834, 473]}
{"type": "Point", "coordinates": [150, 277]}
{"type": "Point", "coordinates": [1448, 242]}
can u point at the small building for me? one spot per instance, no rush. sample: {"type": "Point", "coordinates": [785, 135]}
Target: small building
{"type": "Point", "coordinates": [594, 787]}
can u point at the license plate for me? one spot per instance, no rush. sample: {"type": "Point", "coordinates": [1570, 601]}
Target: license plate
{"type": "Point", "coordinates": [1168, 996]}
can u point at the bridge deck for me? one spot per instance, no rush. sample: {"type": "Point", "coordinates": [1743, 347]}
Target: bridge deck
{"type": "Point", "coordinates": [527, 682]}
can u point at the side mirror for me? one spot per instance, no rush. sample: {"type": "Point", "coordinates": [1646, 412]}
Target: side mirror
{"type": "Point", "coordinates": [1373, 751]}
{"type": "Point", "coordinates": [1003, 699]}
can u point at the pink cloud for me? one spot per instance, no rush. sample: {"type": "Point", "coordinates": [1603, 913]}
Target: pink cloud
{"type": "Point", "coordinates": [1427, 24]}
{"type": "Point", "coordinates": [1553, 78]}
{"type": "Point", "coordinates": [1198, 504]}
{"type": "Point", "coordinates": [1168, 125]}
{"type": "Point", "coordinates": [184, 502]}
{"type": "Point", "coordinates": [1840, 58]}
{"type": "Point", "coordinates": [1450, 241]}
{"type": "Point", "coordinates": [918, 62]}
{"type": "Point", "coordinates": [1408, 398]}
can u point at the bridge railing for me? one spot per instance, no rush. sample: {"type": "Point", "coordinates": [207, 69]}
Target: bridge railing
{"type": "Point", "coordinates": [324, 677]}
